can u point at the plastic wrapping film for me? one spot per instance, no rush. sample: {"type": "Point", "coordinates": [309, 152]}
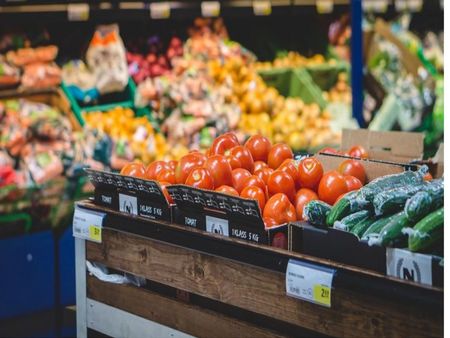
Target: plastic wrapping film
{"type": "Point", "coordinates": [101, 272]}
{"type": "Point", "coordinates": [315, 212]}
{"type": "Point", "coordinates": [417, 205]}
{"type": "Point", "coordinates": [348, 222]}
{"type": "Point", "coordinates": [392, 200]}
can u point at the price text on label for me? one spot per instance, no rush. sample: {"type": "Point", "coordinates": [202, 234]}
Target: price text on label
{"type": "Point", "coordinates": [309, 282]}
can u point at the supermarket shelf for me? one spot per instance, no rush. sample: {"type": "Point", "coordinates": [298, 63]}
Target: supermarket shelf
{"type": "Point", "coordinates": [244, 281]}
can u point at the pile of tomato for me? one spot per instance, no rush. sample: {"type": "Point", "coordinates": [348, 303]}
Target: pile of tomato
{"type": "Point", "coordinates": [257, 170]}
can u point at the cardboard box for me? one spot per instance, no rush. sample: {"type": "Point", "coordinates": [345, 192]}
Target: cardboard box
{"type": "Point", "coordinates": [393, 146]}
{"type": "Point", "coordinates": [221, 213]}
{"type": "Point", "coordinates": [130, 195]}
{"type": "Point", "coordinates": [436, 163]}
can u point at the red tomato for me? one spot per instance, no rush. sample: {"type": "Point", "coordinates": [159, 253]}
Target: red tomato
{"type": "Point", "coordinates": [277, 154]}
{"type": "Point", "coordinates": [331, 186]}
{"type": "Point", "coordinates": [329, 150]}
{"type": "Point", "coordinates": [243, 155]}
{"type": "Point", "coordinates": [133, 169]}
{"type": "Point", "coordinates": [225, 189]}
{"type": "Point", "coordinates": [353, 168]}
{"type": "Point", "coordinates": [259, 165]}
{"type": "Point", "coordinates": [223, 143]}
{"type": "Point", "coordinates": [358, 152]}
{"type": "Point", "coordinates": [255, 193]}
{"type": "Point", "coordinates": [303, 197]}
{"type": "Point", "coordinates": [166, 175]}
{"type": "Point", "coordinates": [220, 169]}
{"type": "Point", "coordinates": [352, 183]}
{"type": "Point", "coordinates": [279, 241]}
{"type": "Point", "coordinates": [239, 176]}
{"type": "Point", "coordinates": [427, 177]}
{"type": "Point", "coordinates": [187, 164]}
{"type": "Point", "coordinates": [280, 209]}
{"type": "Point", "coordinates": [290, 166]}
{"type": "Point", "coordinates": [173, 164]}
{"type": "Point", "coordinates": [154, 168]}
{"type": "Point", "coordinates": [254, 181]}
{"type": "Point", "coordinates": [269, 222]}
{"type": "Point", "coordinates": [310, 172]}
{"type": "Point", "coordinates": [259, 147]}
{"type": "Point", "coordinates": [233, 162]}
{"type": "Point", "coordinates": [281, 182]}
{"type": "Point", "coordinates": [165, 192]}
{"type": "Point", "coordinates": [200, 178]}
{"type": "Point", "coordinates": [264, 174]}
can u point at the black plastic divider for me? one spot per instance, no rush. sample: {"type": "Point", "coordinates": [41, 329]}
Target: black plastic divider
{"type": "Point", "coordinates": [272, 259]}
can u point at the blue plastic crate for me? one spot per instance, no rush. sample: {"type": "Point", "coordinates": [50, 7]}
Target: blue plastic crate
{"type": "Point", "coordinates": [28, 274]}
{"type": "Point", "coordinates": [66, 250]}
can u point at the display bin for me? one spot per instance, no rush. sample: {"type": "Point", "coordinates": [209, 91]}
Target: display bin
{"type": "Point", "coordinates": [204, 284]}
{"type": "Point", "coordinates": [28, 274]}
{"type": "Point", "coordinates": [325, 75]}
{"type": "Point", "coordinates": [66, 268]}
{"type": "Point", "coordinates": [294, 83]}
{"type": "Point", "coordinates": [123, 99]}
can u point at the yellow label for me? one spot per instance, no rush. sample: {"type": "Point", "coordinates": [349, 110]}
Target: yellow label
{"type": "Point", "coordinates": [262, 7]}
{"type": "Point", "coordinates": [95, 233]}
{"type": "Point", "coordinates": [324, 6]}
{"type": "Point", "coordinates": [322, 294]}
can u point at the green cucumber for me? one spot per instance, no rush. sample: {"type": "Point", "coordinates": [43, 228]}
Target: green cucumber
{"type": "Point", "coordinates": [374, 229]}
{"type": "Point", "coordinates": [427, 231]}
{"type": "Point", "coordinates": [348, 204]}
{"type": "Point", "coordinates": [392, 231]}
{"type": "Point", "coordinates": [350, 221]}
{"type": "Point", "coordinates": [422, 203]}
{"type": "Point", "coordinates": [315, 212]}
{"type": "Point", "coordinates": [393, 200]}
{"type": "Point", "coordinates": [361, 227]}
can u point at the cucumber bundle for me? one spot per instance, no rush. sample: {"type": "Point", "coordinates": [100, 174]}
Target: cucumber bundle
{"type": "Point", "coordinates": [392, 232]}
{"type": "Point", "coordinates": [427, 231]}
{"type": "Point", "coordinates": [363, 198]}
{"type": "Point", "coordinates": [393, 200]}
{"type": "Point", "coordinates": [315, 212]}
{"type": "Point", "coordinates": [425, 201]}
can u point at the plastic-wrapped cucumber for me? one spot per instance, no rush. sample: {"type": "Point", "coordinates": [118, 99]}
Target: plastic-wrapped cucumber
{"type": "Point", "coordinates": [315, 212]}
{"type": "Point", "coordinates": [361, 227]}
{"type": "Point", "coordinates": [362, 198]}
{"type": "Point", "coordinates": [350, 221]}
{"type": "Point", "coordinates": [347, 205]}
{"type": "Point", "coordinates": [392, 231]}
{"type": "Point", "coordinates": [427, 231]}
{"type": "Point", "coordinates": [380, 184]}
{"type": "Point", "coordinates": [393, 200]}
{"type": "Point", "coordinates": [425, 201]}
{"type": "Point", "coordinates": [374, 229]}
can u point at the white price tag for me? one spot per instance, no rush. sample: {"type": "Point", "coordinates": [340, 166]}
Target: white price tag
{"type": "Point", "coordinates": [160, 10]}
{"type": "Point", "coordinates": [410, 266]}
{"type": "Point", "coordinates": [401, 5]}
{"type": "Point", "coordinates": [217, 225]}
{"type": "Point", "coordinates": [309, 282]}
{"type": "Point", "coordinates": [324, 6]}
{"type": "Point", "coordinates": [78, 12]}
{"type": "Point", "coordinates": [378, 6]}
{"type": "Point", "coordinates": [128, 204]}
{"type": "Point", "coordinates": [210, 9]}
{"type": "Point", "coordinates": [415, 5]}
{"type": "Point", "coordinates": [262, 7]}
{"type": "Point", "coordinates": [87, 224]}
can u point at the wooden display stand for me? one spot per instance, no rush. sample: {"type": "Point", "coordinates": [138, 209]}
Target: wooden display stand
{"type": "Point", "coordinates": [205, 285]}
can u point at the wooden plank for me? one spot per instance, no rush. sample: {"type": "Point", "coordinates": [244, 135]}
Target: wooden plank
{"type": "Point", "coordinates": [262, 291]}
{"type": "Point", "coordinates": [173, 313]}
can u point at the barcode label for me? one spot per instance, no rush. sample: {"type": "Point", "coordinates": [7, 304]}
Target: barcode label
{"type": "Point", "coordinates": [87, 224]}
{"type": "Point", "coordinates": [309, 282]}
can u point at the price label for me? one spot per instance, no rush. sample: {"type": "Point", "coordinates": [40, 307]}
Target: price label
{"type": "Point", "coordinates": [309, 282]}
{"type": "Point", "coordinates": [410, 266]}
{"type": "Point", "coordinates": [324, 6]}
{"type": "Point", "coordinates": [87, 224]}
{"type": "Point", "coordinates": [415, 5]}
{"type": "Point", "coordinates": [210, 9]}
{"type": "Point", "coordinates": [160, 10]}
{"type": "Point", "coordinates": [77, 12]}
{"type": "Point", "coordinates": [262, 7]}
{"type": "Point", "coordinates": [378, 6]}
{"type": "Point", "coordinates": [217, 226]}
{"type": "Point", "coordinates": [401, 5]}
